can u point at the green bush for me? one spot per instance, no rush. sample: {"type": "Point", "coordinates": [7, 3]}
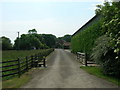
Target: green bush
{"type": "Point", "coordinates": [110, 12]}
{"type": "Point", "coordinates": [107, 50]}
{"type": "Point", "coordinates": [103, 54]}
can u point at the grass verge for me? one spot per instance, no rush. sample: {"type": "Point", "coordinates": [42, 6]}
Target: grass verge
{"type": "Point", "coordinates": [97, 72]}
{"type": "Point", "coordinates": [16, 82]}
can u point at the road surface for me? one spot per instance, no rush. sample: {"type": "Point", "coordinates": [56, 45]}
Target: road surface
{"type": "Point", "coordinates": [63, 71]}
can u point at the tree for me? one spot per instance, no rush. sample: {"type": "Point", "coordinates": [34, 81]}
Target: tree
{"type": "Point", "coordinates": [34, 41]}
{"type": "Point", "coordinates": [107, 49]}
{"type": "Point", "coordinates": [27, 41]}
{"type": "Point", "coordinates": [49, 40]}
{"type": "Point", "coordinates": [111, 23]}
{"type": "Point", "coordinates": [66, 37]}
{"type": "Point", "coordinates": [33, 31]}
{"type": "Point", "coordinates": [6, 43]}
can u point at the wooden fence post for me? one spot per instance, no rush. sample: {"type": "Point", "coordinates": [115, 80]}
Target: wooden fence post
{"type": "Point", "coordinates": [19, 72]}
{"type": "Point", "coordinates": [38, 57]}
{"type": "Point", "coordinates": [77, 56]}
{"type": "Point", "coordinates": [31, 61]}
{"type": "Point", "coordinates": [35, 60]}
{"type": "Point", "coordinates": [26, 63]}
{"type": "Point", "coordinates": [35, 57]}
{"type": "Point", "coordinates": [85, 59]}
{"type": "Point", "coordinates": [44, 62]}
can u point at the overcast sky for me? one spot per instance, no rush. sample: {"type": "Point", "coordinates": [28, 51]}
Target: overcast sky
{"type": "Point", "coordinates": [53, 16]}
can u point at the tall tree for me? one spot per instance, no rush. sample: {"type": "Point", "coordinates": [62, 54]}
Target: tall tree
{"type": "Point", "coordinates": [111, 23]}
{"type": "Point", "coordinates": [33, 31]}
{"type": "Point", "coordinates": [6, 43]}
{"type": "Point", "coordinates": [32, 40]}
{"type": "Point", "coordinates": [107, 49]}
{"type": "Point", "coordinates": [27, 41]}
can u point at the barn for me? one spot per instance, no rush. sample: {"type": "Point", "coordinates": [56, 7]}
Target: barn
{"type": "Point", "coordinates": [83, 39]}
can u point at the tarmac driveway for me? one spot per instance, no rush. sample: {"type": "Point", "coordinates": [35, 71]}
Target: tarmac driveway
{"type": "Point", "coordinates": [63, 71]}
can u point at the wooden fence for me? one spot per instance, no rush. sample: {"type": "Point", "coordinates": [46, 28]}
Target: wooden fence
{"type": "Point", "coordinates": [21, 65]}
{"type": "Point", "coordinates": [82, 58]}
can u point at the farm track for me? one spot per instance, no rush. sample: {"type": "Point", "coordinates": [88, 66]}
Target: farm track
{"type": "Point", "coordinates": [63, 71]}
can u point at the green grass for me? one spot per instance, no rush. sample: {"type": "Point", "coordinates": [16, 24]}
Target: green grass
{"type": "Point", "coordinates": [16, 82]}
{"type": "Point", "coordinates": [98, 72]}
{"type": "Point", "coordinates": [14, 54]}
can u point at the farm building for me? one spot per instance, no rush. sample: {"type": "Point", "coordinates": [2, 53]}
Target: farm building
{"type": "Point", "coordinates": [89, 23]}
{"type": "Point", "coordinates": [66, 45]}
{"type": "Point", "coordinates": [83, 39]}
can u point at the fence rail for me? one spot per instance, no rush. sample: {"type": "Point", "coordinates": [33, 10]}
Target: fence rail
{"type": "Point", "coordinates": [81, 57]}
{"type": "Point", "coordinates": [21, 65]}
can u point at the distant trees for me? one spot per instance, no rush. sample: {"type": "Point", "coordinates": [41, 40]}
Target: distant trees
{"type": "Point", "coordinates": [49, 40]}
{"type": "Point", "coordinates": [32, 40]}
{"type": "Point", "coordinates": [27, 41]}
{"type": "Point", "coordinates": [6, 43]}
{"type": "Point", "coordinates": [33, 31]}
{"type": "Point", "coordinates": [66, 38]}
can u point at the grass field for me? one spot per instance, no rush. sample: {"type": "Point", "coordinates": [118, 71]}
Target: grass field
{"type": "Point", "coordinates": [13, 55]}
{"type": "Point", "coordinates": [98, 72]}
{"type": "Point", "coordinates": [9, 81]}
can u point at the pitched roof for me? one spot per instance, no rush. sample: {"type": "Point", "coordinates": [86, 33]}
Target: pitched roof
{"type": "Point", "coordinates": [96, 16]}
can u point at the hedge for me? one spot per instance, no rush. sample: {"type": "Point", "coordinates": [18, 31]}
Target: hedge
{"type": "Point", "coordinates": [84, 41]}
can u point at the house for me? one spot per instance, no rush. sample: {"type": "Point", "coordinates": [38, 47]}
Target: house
{"type": "Point", "coordinates": [66, 45]}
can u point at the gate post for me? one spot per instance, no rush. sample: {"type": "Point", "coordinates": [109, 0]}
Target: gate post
{"type": "Point", "coordinates": [85, 59]}
{"type": "Point", "coordinates": [19, 73]}
{"type": "Point", "coordinates": [26, 63]}
{"type": "Point", "coordinates": [44, 63]}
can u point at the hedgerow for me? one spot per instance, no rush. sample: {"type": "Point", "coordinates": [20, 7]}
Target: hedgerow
{"type": "Point", "coordinates": [84, 41]}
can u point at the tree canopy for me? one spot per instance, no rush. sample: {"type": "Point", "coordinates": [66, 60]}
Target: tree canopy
{"type": "Point", "coordinates": [66, 37]}
{"type": "Point", "coordinates": [107, 49]}
{"type": "Point", "coordinates": [32, 40]}
{"type": "Point", "coordinates": [49, 40]}
{"type": "Point", "coordinates": [6, 43]}
{"type": "Point", "coordinates": [111, 23]}
{"type": "Point", "coordinates": [33, 31]}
